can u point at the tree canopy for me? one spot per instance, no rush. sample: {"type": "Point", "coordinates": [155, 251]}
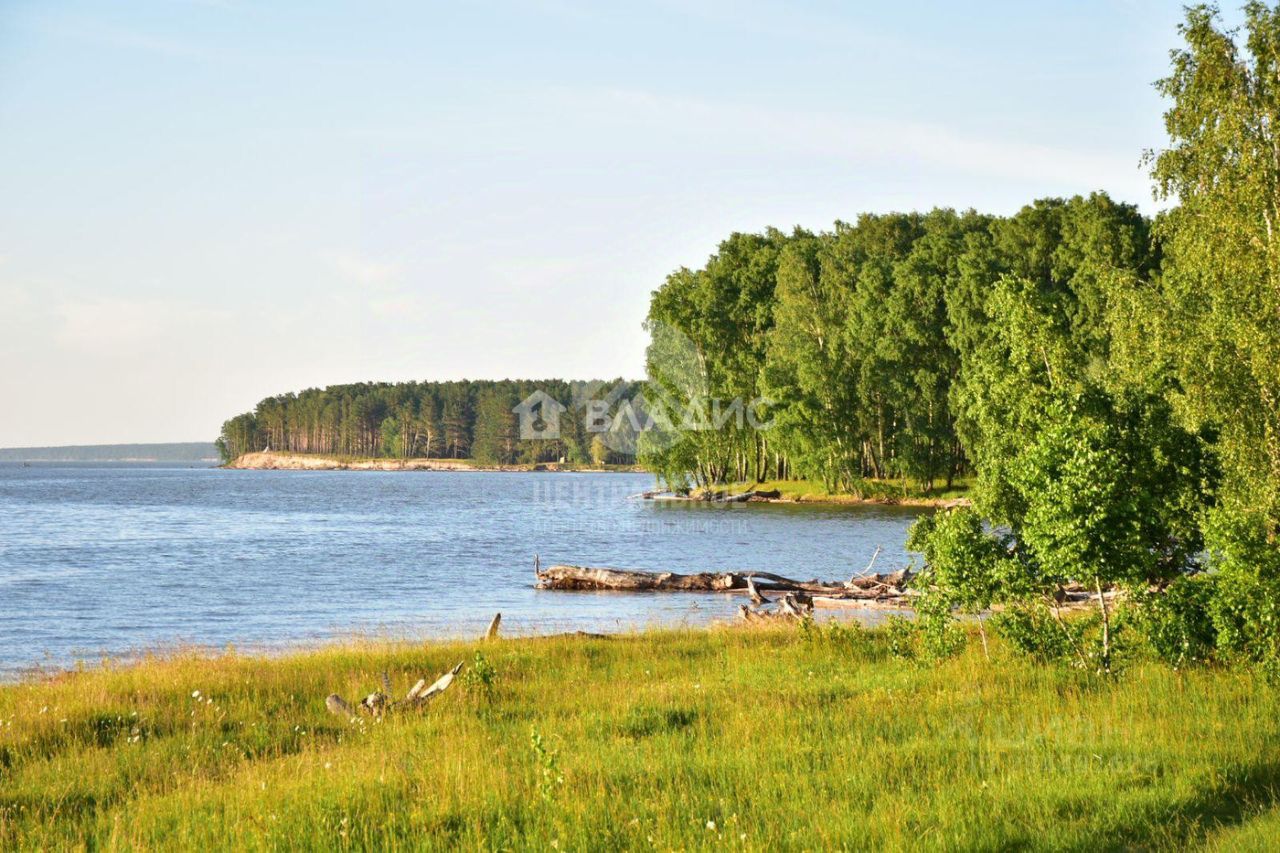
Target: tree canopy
{"type": "Point", "coordinates": [445, 420]}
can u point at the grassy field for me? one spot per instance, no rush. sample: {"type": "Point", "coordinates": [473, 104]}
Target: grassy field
{"type": "Point", "coordinates": [744, 739]}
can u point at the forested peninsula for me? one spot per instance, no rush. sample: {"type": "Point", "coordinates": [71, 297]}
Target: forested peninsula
{"type": "Point", "coordinates": [472, 420]}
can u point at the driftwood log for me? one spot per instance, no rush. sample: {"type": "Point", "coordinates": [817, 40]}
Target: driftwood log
{"type": "Point", "coordinates": [888, 588]}
{"type": "Point", "coordinates": [379, 702]}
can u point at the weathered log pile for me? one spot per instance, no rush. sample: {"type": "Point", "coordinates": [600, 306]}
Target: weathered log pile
{"type": "Point", "coordinates": [799, 597]}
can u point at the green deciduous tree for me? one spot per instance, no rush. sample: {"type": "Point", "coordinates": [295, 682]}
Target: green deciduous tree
{"type": "Point", "coordinates": [1220, 294]}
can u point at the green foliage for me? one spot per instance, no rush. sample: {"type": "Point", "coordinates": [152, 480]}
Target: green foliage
{"type": "Point", "coordinates": [547, 776]}
{"type": "Point", "coordinates": [1113, 491]}
{"type": "Point", "coordinates": [940, 636]}
{"type": "Point", "coordinates": [708, 341]}
{"type": "Point", "coordinates": [965, 567]}
{"type": "Point", "coordinates": [845, 637]}
{"type": "Point", "coordinates": [1033, 631]}
{"type": "Point", "coordinates": [440, 420]}
{"type": "Point", "coordinates": [902, 636]}
{"type": "Point", "coordinates": [1246, 607]}
{"type": "Point", "coordinates": [599, 451]}
{"type": "Point", "coordinates": [479, 680]}
{"type": "Point", "coordinates": [1213, 317]}
{"type": "Point", "coordinates": [496, 436]}
{"type": "Point", "coordinates": [1176, 622]}
{"type": "Point", "coordinates": [392, 442]}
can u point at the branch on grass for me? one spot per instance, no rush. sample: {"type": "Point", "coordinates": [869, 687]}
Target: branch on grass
{"type": "Point", "coordinates": [379, 702]}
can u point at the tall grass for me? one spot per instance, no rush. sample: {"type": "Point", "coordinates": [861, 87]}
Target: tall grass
{"type": "Point", "coordinates": [742, 739]}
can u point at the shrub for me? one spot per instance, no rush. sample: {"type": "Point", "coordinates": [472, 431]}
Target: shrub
{"type": "Point", "coordinates": [1245, 607]}
{"type": "Point", "coordinates": [940, 636]}
{"type": "Point", "coordinates": [966, 568]}
{"type": "Point", "coordinates": [479, 679]}
{"type": "Point", "coordinates": [1034, 632]}
{"type": "Point", "coordinates": [902, 634]}
{"type": "Point", "coordinates": [1176, 623]}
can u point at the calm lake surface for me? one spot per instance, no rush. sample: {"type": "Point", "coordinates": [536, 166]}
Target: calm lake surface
{"type": "Point", "coordinates": [117, 560]}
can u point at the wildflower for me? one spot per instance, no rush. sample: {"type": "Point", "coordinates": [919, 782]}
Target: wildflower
{"type": "Point", "coordinates": [195, 694]}
{"type": "Point", "coordinates": [711, 825]}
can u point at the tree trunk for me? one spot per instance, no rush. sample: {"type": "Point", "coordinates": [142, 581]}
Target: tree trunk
{"type": "Point", "coordinates": [1106, 625]}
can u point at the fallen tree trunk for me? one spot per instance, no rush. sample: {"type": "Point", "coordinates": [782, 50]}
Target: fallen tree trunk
{"type": "Point", "coordinates": [871, 587]}
{"type": "Point", "coordinates": [623, 580]}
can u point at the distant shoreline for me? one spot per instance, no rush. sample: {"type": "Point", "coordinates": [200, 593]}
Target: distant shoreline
{"type": "Point", "coordinates": [276, 461]}
{"type": "Point", "coordinates": [183, 452]}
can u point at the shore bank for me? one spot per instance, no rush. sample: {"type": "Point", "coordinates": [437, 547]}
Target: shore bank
{"type": "Point", "coordinates": [776, 491]}
{"type": "Point", "coordinates": [769, 738]}
{"type": "Point", "coordinates": [276, 461]}
{"type": "Point", "coordinates": [876, 492]}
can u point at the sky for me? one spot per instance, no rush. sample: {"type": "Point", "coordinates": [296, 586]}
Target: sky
{"type": "Point", "coordinates": [206, 203]}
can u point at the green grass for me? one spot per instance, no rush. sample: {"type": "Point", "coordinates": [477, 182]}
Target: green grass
{"type": "Point", "coordinates": [887, 491]}
{"type": "Point", "coordinates": [725, 738]}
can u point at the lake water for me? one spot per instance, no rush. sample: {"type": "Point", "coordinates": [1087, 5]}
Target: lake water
{"type": "Point", "coordinates": [116, 560]}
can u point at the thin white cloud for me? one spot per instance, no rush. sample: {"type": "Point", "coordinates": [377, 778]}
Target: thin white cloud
{"type": "Point", "coordinates": [839, 137]}
{"type": "Point", "coordinates": [114, 327]}
{"type": "Point", "coordinates": [572, 124]}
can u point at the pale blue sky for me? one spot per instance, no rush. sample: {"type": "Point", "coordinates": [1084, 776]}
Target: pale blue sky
{"type": "Point", "coordinates": [208, 202]}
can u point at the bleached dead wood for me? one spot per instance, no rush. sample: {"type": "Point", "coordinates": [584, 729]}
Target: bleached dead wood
{"type": "Point", "coordinates": [418, 696]}
{"type": "Point", "coordinates": [492, 632]}
{"type": "Point", "coordinates": [563, 577]}
{"type": "Point", "coordinates": [583, 577]}
{"type": "Point", "coordinates": [791, 607]}
{"type": "Point", "coordinates": [893, 581]}
{"type": "Point", "coordinates": [380, 702]}
{"type": "Point", "coordinates": [796, 604]}
{"type": "Point", "coordinates": [826, 602]}
{"type": "Point", "coordinates": [867, 570]}
{"type": "Point", "coordinates": [375, 704]}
